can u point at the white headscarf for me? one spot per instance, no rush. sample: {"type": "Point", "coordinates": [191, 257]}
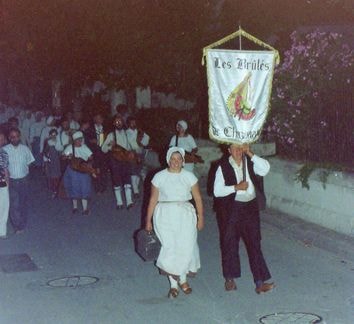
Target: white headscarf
{"type": "Point", "coordinates": [78, 135]}
{"type": "Point", "coordinates": [183, 124]}
{"type": "Point", "coordinates": [172, 150]}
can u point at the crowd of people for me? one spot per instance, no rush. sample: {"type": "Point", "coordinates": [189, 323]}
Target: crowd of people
{"type": "Point", "coordinates": [80, 154]}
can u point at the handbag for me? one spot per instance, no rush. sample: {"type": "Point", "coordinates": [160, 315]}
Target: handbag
{"type": "Point", "coordinates": [147, 245]}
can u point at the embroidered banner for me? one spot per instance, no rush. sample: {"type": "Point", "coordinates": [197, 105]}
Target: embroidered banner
{"type": "Point", "coordinates": [240, 85]}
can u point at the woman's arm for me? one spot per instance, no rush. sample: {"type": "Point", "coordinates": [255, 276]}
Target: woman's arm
{"type": "Point", "coordinates": [199, 206]}
{"type": "Point", "coordinates": [152, 204]}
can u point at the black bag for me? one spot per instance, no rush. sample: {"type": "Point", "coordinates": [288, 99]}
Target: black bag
{"type": "Point", "coordinates": [147, 245]}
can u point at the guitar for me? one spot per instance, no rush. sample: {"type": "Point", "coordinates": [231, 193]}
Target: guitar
{"type": "Point", "coordinates": [121, 154]}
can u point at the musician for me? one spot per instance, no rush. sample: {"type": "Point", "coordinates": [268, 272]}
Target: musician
{"type": "Point", "coordinates": [120, 169]}
{"type": "Point", "coordinates": [78, 184]}
{"type": "Point", "coordinates": [95, 138]}
{"type": "Point", "coordinates": [184, 140]}
{"type": "Point", "coordinates": [138, 141]}
{"type": "Point", "coordinates": [65, 132]}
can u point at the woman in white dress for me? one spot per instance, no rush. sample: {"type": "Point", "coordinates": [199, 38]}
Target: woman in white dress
{"type": "Point", "coordinates": [184, 140]}
{"type": "Point", "coordinates": [176, 221]}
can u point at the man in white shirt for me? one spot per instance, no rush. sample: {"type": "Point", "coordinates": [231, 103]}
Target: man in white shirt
{"type": "Point", "coordinates": [20, 157]}
{"type": "Point", "coordinates": [236, 184]}
{"type": "Point", "coordinates": [121, 169]}
{"type": "Point", "coordinates": [138, 140]}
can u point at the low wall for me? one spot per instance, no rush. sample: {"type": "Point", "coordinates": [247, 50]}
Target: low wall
{"type": "Point", "coordinates": [331, 207]}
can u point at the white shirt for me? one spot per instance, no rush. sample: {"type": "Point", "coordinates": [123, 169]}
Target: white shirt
{"type": "Point", "coordinates": [120, 138]}
{"type": "Point", "coordinates": [260, 166]}
{"type": "Point", "coordinates": [74, 125]}
{"type": "Point", "coordinates": [187, 143]}
{"type": "Point", "coordinates": [132, 135]}
{"type": "Point", "coordinates": [82, 151]}
{"type": "Point", "coordinates": [20, 157]}
{"type": "Point", "coordinates": [63, 137]}
{"type": "Point", "coordinates": [35, 130]}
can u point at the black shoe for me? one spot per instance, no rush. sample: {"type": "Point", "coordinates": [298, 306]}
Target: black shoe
{"type": "Point", "coordinates": [74, 211]}
{"type": "Point", "coordinates": [119, 207]}
{"type": "Point", "coordinates": [86, 212]}
{"type": "Point", "coordinates": [130, 206]}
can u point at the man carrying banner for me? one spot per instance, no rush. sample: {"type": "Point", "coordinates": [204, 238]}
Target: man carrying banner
{"type": "Point", "coordinates": [236, 184]}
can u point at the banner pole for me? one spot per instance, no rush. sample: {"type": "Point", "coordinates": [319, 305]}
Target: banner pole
{"type": "Point", "coordinates": [239, 36]}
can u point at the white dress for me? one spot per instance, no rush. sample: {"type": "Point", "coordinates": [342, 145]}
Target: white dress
{"type": "Point", "coordinates": [175, 222]}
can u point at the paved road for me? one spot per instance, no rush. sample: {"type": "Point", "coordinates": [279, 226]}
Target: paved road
{"type": "Point", "coordinates": [309, 279]}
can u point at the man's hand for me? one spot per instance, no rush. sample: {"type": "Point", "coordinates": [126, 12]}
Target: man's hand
{"type": "Point", "coordinates": [243, 185]}
{"type": "Point", "coordinates": [247, 150]}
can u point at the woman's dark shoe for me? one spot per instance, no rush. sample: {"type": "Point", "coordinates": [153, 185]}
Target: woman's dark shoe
{"type": "Point", "coordinates": [185, 288]}
{"type": "Point", "coordinates": [75, 210]}
{"type": "Point", "coordinates": [173, 293]}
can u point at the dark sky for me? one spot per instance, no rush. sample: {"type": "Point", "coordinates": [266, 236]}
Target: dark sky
{"type": "Point", "coordinates": [152, 42]}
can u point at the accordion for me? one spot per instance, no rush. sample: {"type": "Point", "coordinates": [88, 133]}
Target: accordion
{"type": "Point", "coordinates": [147, 245]}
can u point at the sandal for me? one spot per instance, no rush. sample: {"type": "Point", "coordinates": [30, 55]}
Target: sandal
{"type": "Point", "coordinates": [185, 288]}
{"type": "Point", "coordinates": [173, 293]}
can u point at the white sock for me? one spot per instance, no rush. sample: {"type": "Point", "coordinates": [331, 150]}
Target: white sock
{"type": "Point", "coordinates": [84, 204]}
{"type": "Point", "coordinates": [74, 203]}
{"type": "Point", "coordinates": [135, 183]}
{"type": "Point", "coordinates": [173, 282]}
{"type": "Point", "coordinates": [118, 194]}
{"type": "Point", "coordinates": [183, 278]}
{"type": "Point", "coordinates": [128, 194]}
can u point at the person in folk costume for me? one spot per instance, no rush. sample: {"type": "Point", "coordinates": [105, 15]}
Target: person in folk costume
{"type": "Point", "coordinates": [184, 140]}
{"type": "Point", "coordinates": [236, 183]}
{"type": "Point", "coordinates": [121, 170]}
{"type": "Point", "coordinates": [78, 184]}
{"type": "Point", "coordinates": [34, 137]}
{"type": "Point", "coordinates": [176, 221]}
{"type": "Point", "coordinates": [139, 141]}
{"type": "Point", "coordinates": [95, 139]}
{"type": "Point", "coordinates": [52, 151]}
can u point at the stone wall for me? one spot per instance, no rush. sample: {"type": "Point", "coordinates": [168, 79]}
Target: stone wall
{"type": "Point", "coordinates": [331, 207]}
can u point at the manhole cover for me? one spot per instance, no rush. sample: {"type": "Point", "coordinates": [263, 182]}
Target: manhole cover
{"type": "Point", "coordinates": [17, 263]}
{"type": "Point", "coordinates": [291, 317]}
{"type": "Point", "coordinates": [72, 281]}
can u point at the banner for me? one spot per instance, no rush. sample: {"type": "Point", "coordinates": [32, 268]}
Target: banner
{"type": "Point", "coordinates": [240, 84]}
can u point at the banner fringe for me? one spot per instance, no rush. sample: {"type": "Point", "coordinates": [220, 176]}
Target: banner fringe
{"type": "Point", "coordinates": [243, 33]}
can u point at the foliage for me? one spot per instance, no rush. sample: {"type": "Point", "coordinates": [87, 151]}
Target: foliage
{"type": "Point", "coordinates": [312, 113]}
{"type": "Point", "coordinates": [325, 169]}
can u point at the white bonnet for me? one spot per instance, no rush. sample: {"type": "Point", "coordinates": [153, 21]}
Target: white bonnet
{"type": "Point", "coordinates": [78, 135]}
{"type": "Point", "coordinates": [172, 150]}
{"type": "Point", "coordinates": [183, 124]}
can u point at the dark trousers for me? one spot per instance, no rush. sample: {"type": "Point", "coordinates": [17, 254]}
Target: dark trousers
{"type": "Point", "coordinates": [18, 191]}
{"type": "Point", "coordinates": [121, 172]}
{"type": "Point", "coordinates": [242, 222]}
{"type": "Point", "coordinates": [99, 161]}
